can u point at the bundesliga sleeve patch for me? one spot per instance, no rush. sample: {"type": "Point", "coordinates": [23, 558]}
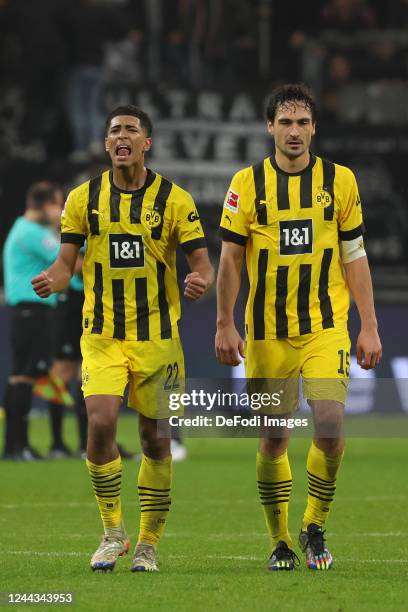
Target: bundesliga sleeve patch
{"type": "Point", "coordinates": [232, 201]}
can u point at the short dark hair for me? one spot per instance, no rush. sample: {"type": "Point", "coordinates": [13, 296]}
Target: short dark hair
{"type": "Point", "coordinates": [40, 193]}
{"type": "Point", "coordinates": [297, 92]}
{"type": "Point", "coordinates": [134, 111]}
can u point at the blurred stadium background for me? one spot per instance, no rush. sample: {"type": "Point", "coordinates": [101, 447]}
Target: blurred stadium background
{"type": "Point", "coordinates": [203, 68]}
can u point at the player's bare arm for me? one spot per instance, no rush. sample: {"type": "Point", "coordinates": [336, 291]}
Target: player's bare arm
{"type": "Point", "coordinates": [368, 346]}
{"type": "Point", "coordinates": [229, 345]}
{"type": "Point", "coordinates": [201, 276]}
{"type": "Point", "coordinates": [58, 276]}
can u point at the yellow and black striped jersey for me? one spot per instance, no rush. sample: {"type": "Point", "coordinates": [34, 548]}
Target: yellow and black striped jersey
{"type": "Point", "coordinates": [129, 269]}
{"type": "Point", "coordinates": [292, 225]}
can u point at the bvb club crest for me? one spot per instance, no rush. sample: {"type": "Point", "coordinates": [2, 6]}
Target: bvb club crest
{"type": "Point", "coordinates": [322, 198]}
{"type": "Point", "coordinates": [152, 218]}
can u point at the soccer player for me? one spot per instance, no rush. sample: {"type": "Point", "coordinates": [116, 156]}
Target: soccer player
{"type": "Point", "coordinates": [132, 219]}
{"type": "Point", "coordinates": [298, 219]}
{"type": "Point", "coordinates": [30, 245]}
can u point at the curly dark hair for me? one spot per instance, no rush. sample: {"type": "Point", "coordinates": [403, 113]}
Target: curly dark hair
{"type": "Point", "coordinates": [285, 94]}
{"type": "Point", "coordinates": [134, 111]}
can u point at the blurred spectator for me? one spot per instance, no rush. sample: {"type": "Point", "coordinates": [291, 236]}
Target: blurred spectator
{"type": "Point", "coordinates": [30, 247]}
{"type": "Point", "coordinates": [209, 41]}
{"type": "Point", "coordinates": [122, 63]}
{"type": "Point", "coordinates": [384, 61]}
{"type": "Point", "coordinates": [86, 26]}
{"type": "Point", "coordinates": [396, 14]}
{"type": "Point", "coordinates": [32, 58]}
{"type": "Point", "coordinates": [348, 15]}
{"type": "Point", "coordinates": [289, 31]}
{"type": "Point", "coordinates": [337, 74]}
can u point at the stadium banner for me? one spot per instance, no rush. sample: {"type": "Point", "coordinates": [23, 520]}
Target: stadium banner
{"type": "Point", "coordinates": [201, 138]}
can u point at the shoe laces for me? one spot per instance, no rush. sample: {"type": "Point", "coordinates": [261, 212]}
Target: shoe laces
{"type": "Point", "coordinates": [283, 553]}
{"type": "Point", "coordinates": [145, 553]}
{"type": "Point", "coordinates": [110, 544]}
{"type": "Point", "coordinates": [316, 541]}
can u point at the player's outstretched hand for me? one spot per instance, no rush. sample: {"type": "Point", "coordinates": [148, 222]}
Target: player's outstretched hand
{"type": "Point", "coordinates": [369, 349]}
{"type": "Point", "coordinates": [42, 284]}
{"type": "Point", "coordinates": [195, 286]}
{"type": "Point", "coordinates": [229, 346]}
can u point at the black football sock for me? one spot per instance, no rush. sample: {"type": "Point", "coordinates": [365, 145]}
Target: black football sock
{"type": "Point", "coordinates": [20, 405]}
{"type": "Point", "coordinates": [9, 425]}
{"type": "Point", "coordinates": [56, 418]}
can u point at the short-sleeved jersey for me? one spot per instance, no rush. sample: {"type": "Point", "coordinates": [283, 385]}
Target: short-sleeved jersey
{"type": "Point", "coordinates": [292, 225]}
{"type": "Point", "coordinates": [129, 268]}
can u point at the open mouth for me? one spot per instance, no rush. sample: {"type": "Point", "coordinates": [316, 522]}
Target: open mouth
{"type": "Point", "coordinates": [123, 151]}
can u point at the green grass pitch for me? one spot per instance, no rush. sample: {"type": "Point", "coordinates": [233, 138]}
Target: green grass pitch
{"type": "Point", "coordinates": [214, 553]}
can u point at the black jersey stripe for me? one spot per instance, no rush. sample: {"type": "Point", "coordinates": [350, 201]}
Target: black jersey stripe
{"type": "Point", "coordinates": [348, 234]}
{"type": "Point", "coordinates": [97, 324]}
{"type": "Point", "coordinates": [142, 309]}
{"type": "Point", "coordinates": [280, 301]}
{"type": "Point", "coordinates": [305, 275]}
{"type": "Point", "coordinates": [259, 298]}
{"type": "Point", "coordinates": [259, 183]}
{"type": "Point", "coordinates": [329, 171]}
{"type": "Point", "coordinates": [136, 201]}
{"type": "Point", "coordinates": [114, 205]}
{"type": "Point", "coordinates": [306, 190]}
{"type": "Point", "coordinates": [324, 298]}
{"type": "Point", "coordinates": [191, 245]}
{"type": "Point", "coordinates": [136, 207]}
{"type": "Point", "coordinates": [229, 236]}
{"type": "Point", "coordinates": [68, 238]}
{"type": "Point", "coordinates": [165, 325]}
{"type": "Point", "coordinates": [282, 191]}
{"type": "Point", "coordinates": [118, 294]}
{"type": "Point", "coordinates": [160, 205]}
{"type": "Point", "coordinates": [93, 204]}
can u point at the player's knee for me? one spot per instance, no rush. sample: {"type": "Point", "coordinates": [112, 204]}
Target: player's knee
{"type": "Point", "coordinates": [329, 428]}
{"type": "Point", "coordinates": [102, 425]}
{"type": "Point", "coordinates": [152, 445]}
